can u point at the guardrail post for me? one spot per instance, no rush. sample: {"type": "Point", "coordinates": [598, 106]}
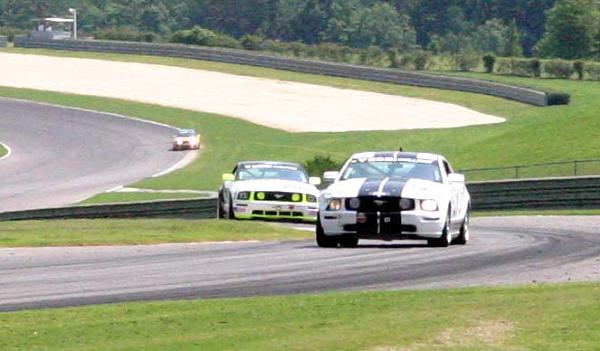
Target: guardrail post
{"type": "Point", "coordinates": [575, 168]}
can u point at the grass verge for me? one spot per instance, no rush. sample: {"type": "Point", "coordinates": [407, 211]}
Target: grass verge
{"type": "Point", "coordinates": [530, 135]}
{"type": "Point", "coordinates": [115, 197]}
{"type": "Point", "coordinates": [133, 232]}
{"type": "Point", "coordinates": [563, 317]}
{"type": "Point", "coordinates": [3, 151]}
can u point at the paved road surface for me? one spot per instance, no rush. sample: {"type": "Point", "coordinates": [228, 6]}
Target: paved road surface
{"type": "Point", "coordinates": [61, 156]}
{"type": "Point", "coordinates": [503, 251]}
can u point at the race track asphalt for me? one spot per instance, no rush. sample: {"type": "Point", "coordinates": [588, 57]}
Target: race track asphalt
{"type": "Point", "coordinates": [511, 250]}
{"type": "Point", "coordinates": [61, 156]}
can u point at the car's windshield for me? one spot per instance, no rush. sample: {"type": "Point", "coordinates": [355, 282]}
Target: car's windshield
{"type": "Point", "coordinates": [404, 169]}
{"type": "Point", "coordinates": [260, 171]}
{"type": "Point", "coordinates": [185, 134]}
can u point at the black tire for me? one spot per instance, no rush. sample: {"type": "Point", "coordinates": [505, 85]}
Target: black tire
{"type": "Point", "coordinates": [322, 239]}
{"type": "Point", "coordinates": [348, 241]}
{"type": "Point", "coordinates": [221, 210]}
{"type": "Point", "coordinates": [446, 239]}
{"type": "Point", "coordinates": [464, 236]}
{"type": "Point", "coordinates": [230, 214]}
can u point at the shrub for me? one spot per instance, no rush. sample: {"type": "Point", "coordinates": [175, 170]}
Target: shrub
{"type": "Point", "coordinates": [558, 68]}
{"type": "Point", "coordinates": [333, 52]}
{"type": "Point", "coordinates": [298, 48]}
{"type": "Point", "coordinates": [274, 46]}
{"type": "Point", "coordinates": [225, 41]}
{"type": "Point", "coordinates": [125, 34]}
{"type": "Point", "coordinates": [558, 99]}
{"type": "Point", "coordinates": [536, 66]}
{"type": "Point", "coordinates": [578, 66]}
{"type": "Point", "coordinates": [525, 67]}
{"type": "Point", "coordinates": [592, 69]}
{"type": "Point", "coordinates": [251, 42]}
{"type": "Point", "coordinates": [504, 66]}
{"type": "Point", "coordinates": [371, 55]}
{"type": "Point", "coordinates": [320, 164]}
{"type": "Point", "coordinates": [392, 55]}
{"type": "Point", "coordinates": [195, 36]}
{"type": "Point", "coordinates": [421, 59]}
{"type": "Point", "coordinates": [466, 61]}
{"type": "Point", "coordinates": [489, 61]}
{"type": "Point", "coordinates": [11, 32]}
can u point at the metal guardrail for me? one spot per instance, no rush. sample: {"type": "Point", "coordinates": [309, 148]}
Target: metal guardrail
{"type": "Point", "coordinates": [395, 76]}
{"type": "Point", "coordinates": [2, 41]}
{"type": "Point", "coordinates": [574, 168]}
{"type": "Point", "coordinates": [194, 208]}
{"type": "Point", "coordinates": [549, 193]}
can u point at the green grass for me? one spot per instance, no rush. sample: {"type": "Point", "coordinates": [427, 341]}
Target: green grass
{"type": "Point", "coordinates": [3, 151]}
{"type": "Point", "coordinates": [139, 196]}
{"type": "Point", "coordinates": [562, 317]}
{"type": "Point", "coordinates": [530, 135]}
{"type": "Point", "coordinates": [133, 232]}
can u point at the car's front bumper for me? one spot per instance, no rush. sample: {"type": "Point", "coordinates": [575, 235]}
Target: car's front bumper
{"type": "Point", "coordinates": [385, 226]}
{"type": "Point", "coordinates": [301, 211]}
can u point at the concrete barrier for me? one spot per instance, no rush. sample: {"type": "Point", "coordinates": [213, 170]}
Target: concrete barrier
{"type": "Point", "coordinates": [521, 94]}
{"type": "Point", "coordinates": [193, 208]}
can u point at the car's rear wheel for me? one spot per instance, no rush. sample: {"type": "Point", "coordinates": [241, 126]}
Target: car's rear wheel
{"type": "Point", "coordinates": [221, 210]}
{"type": "Point", "coordinates": [348, 241]}
{"type": "Point", "coordinates": [230, 214]}
{"type": "Point", "coordinates": [322, 239]}
{"type": "Point", "coordinates": [465, 235]}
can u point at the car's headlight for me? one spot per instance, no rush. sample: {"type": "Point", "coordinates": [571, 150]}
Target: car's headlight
{"type": "Point", "coordinates": [334, 205]}
{"type": "Point", "coordinates": [243, 195]}
{"type": "Point", "coordinates": [179, 142]}
{"type": "Point", "coordinates": [311, 198]}
{"type": "Point", "coordinates": [429, 205]}
{"type": "Point", "coordinates": [407, 204]}
{"type": "Point", "coordinates": [354, 203]}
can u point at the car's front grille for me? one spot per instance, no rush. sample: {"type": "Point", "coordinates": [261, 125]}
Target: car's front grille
{"type": "Point", "coordinates": [277, 196]}
{"type": "Point", "coordinates": [380, 204]}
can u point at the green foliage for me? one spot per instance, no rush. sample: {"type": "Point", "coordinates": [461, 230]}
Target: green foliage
{"type": "Point", "coordinates": [592, 70]}
{"type": "Point", "coordinates": [371, 55]}
{"type": "Point", "coordinates": [558, 68]}
{"type": "Point", "coordinates": [571, 30]}
{"type": "Point", "coordinates": [195, 36]}
{"type": "Point", "coordinates": [320, 164]}
{"type": "Point", "coordinates": [393, 58]}
{"type": "Point", "coordinates": [421, 59]}
{"type": "Point", "coordinates": [467, 61]}
{"type": "Point", "coordinates": [579, 66]}
{"type": "Point", "coordinates": [125, 34]}
{"type": "Point", "coordinates": [525, 67]}
{"type": "Point", "coordinates": [11, 32]}
{"type": "Point", "coordinates": [489, 61]}
{"type": "Point", "coordinates": [251, 42]}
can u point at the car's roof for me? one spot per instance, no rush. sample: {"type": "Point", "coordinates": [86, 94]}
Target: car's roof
{"type": "Point", "coordinates": [397, 155]}
{"type": "Point", "coordinates": [186, 131]}
{"type": "Point", "coordinates": [271, 163]}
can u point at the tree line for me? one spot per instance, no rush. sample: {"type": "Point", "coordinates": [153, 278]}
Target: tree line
{"type": "Point", "coordinates": [549, 28]}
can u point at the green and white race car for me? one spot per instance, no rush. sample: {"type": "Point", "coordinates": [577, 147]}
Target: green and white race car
{"type": "Point", "coordinates": [269, 190]}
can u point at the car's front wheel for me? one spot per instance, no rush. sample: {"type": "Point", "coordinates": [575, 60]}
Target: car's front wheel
{"type": "Point", "coordinates": [322, 239]}
{"type": "Point", "coordinates": [230, 214]}
{"type": "Point", "coordinates": [464, 236]}
{"type": "Point", "coordinates": [446, 238]}
{"type": "Point", "coordinates": [349, 241]}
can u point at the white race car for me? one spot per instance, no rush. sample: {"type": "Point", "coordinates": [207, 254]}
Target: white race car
{"type": "Point", "coordinates": [394, 196]}
{"type": "Point", "coordinates": [269, 190]}
{"type": "Point", "coordinates": [186, 139]}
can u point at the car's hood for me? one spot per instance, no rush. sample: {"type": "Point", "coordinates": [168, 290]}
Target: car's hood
{"type": "Point", "coordinates": [183, 139]}
{"type": "Point", "coordinates": [412, 188]}
{"type": "Point", "coordinates": [275, 185]}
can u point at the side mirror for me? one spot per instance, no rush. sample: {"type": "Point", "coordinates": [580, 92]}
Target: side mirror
{"type": "Point", "coordinates": [316, 181]}
{"type": "Point", "coordinates": [331, 177]}
{"type": "Point", "coordinates": [456, 178]}
{"type": "Point", "coordinates": [228, 177]}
